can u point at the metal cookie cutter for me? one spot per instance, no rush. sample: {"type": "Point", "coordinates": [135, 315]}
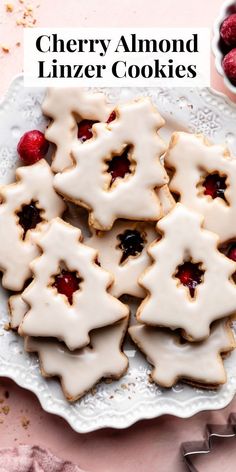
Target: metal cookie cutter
{"type": "Point", "coordinates": [190, 449]}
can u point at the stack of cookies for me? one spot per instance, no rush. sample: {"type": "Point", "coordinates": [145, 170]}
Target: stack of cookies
{"type": "Point", "coordinates": [160, 228]}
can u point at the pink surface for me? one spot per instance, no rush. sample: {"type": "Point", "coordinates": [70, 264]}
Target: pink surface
{"type": "Point", "coordinates": [151, 445]}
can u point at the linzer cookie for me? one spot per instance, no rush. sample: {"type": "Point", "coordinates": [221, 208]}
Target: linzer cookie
{"type": "Point", "coordinates": [190, 282]}
{"type": "Point", "coordinates": [17, 310]}
{"type": "Point", "coordinates": [115, 173]}
{"type": "Point", "coordinates": [80, 370]}
{"type": "Point", "coordinates": [198, 363]}
{"type": "Point", "coordinates": [68, 296]}
{"type": "Point", "coordinates": [205, 179]}
{"type": "Point", "coordinates": [27, 206]}
{"type": "Point", "coordinates": [123, 252]}
{"type": "Point", "coordinates": [73, 112]}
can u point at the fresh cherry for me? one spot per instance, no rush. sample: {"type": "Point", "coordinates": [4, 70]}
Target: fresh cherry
{"type": "Point", "coordinates": [85, 130]}
{"type": "Point", "coordinates": [29, 216]}
{"type": "Point", "coordinates": [190, 275]}
{"type": "Point", "coordinates": [112, 117]}
{"type": "Point", "coordinates": [67, 283]}
{"type": "Point", "coordinates": [32, 147]}
{"type": "Point", "coordinates": [215, 186]}
{"type": "Point", "coordinates": [228, 30]}
{"type": "Point", "coordinates": [229, 65]}
{"type": "Point", "coordinates": [131, 243]}
{"type": "Point", "coordinates": [119, 166]}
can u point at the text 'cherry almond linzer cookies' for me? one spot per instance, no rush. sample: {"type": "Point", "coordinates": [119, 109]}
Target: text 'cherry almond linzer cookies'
{"type": "Point", "coordinates": [90, 226]}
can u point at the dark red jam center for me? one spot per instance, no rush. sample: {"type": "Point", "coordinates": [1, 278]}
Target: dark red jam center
{"type": "Point", "coordinates": [119, 166]}
{"type": "Point", "coordinates": [29, 216]}
{"type": "Point", "coordinates": [67, 283]}
{"type": "Point", "coordinates": [131, 243]}
{"type": "Point", "coordinates": [112, 117]}
{"type": "Point", "coordinates": [215, 186]}
{"type": "Point", "coordinates": [231, 251]}
{"type": "Point", "coordinates": [85, 130]}
{"type": "Point", "coordinates": [190, 275]}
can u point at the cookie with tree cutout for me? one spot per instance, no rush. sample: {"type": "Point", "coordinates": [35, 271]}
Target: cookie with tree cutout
{"type": "Point", "coordinates": [189, 283]}
{"type": "Point", "coordinates": [116, 173]}
{"type": "Point", "coordinates": [210, 186]}
{"type": "Point", "coordinates": [73, 112]}
{"type": "Point", "coordinates": [68, 296]}
{"type": "Point", "coordinates": [26, 208]}
{"type": "Point", "coordinates": [81, 369]}
{"type": "Point", "coordinates": [199, 363]}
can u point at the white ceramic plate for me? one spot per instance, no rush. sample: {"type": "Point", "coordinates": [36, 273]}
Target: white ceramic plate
{"type": "Point", "coordinates": [132, 398]}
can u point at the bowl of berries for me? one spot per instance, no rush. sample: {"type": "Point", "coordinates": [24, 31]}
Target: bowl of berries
{"type": "Point", "coordinates": [224, 44]}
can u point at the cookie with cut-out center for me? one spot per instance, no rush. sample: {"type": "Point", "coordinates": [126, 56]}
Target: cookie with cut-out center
{"type": "Point", "coordinates": [198, 363]}
{"type": "Point", "coordinates": [73, 112]}
{"type": "Point", "coordinates": [116, 173]}
{"type": "Point", "coordinates": [68, 296]}
{"type": "Point", "coordinates": [123, 251]}
{"type": "Point", "coordinates": [205, 180]}
{"type": "Point", "coordinates": [189, 283]}
{"type": "Point", "coordinates": [80, 370]}
{"type": "Point", "coordinates": [27, 206]}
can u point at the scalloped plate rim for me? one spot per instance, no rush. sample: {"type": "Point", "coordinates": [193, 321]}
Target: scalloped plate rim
{"type": "Point", "coordinates": [192, 406]}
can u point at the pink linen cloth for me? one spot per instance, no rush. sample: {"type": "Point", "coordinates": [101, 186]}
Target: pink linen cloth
{"type": "Point", "coordinates": [33, 459]}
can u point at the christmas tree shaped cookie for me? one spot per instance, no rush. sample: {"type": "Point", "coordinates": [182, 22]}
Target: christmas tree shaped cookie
{"type": "Point", "coordinates": [115, 173]}
{"type": "Point", "coordinates": [123, 251]}
{"type": "Point", "coordinates": [68, 296]}
{"type": "Point", "coordinates": [80, 370]}
{"type": "Point", "coordinates": [173, 360]}
{"type": "Point", "coordinates": [189, 283]}
{"type": "Point", "coordinates": [210, 186]}
{"type": "Point", "coordinates": [73, 112]}
{"type": "Point", "coordinates": [27, 206]}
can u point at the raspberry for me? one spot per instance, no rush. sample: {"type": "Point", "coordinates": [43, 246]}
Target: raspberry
{"type": "Point", "coordinates": [32, 147]}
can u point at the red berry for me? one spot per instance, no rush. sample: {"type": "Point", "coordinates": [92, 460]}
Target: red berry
{"type": "Point", "coordinates": [119, 166]}
{"type": "Point", "coordinates": [85, 130]}
{"type": "Point", "coordinates": [232, 252]}
{"type": "Point", "coordinates": [228, 30]}
{"type": "Point", "coordinates": [229, 65]}
{"type": "Point", "coordinates": [112, 117]}
{"type": "Point", "coordinates": [67, 283]}
{"type": "Point", "coordinates": [215, 186]}
{"type": "Point", "coordinates": [32, 147]}
{"type": "Point", "coordinates": [190, 275]}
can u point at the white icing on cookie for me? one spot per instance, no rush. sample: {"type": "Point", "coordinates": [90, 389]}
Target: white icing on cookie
{"type": "Point", "coordinates": [17, 310]}
{"type": "Point", "coordinates": [127, 272]}
{"type": "Point", "coordinates": [169, 303]}
{"type": "Point", "coordinates": [132, 197]}
{"type": "Point", "coordinates": [33, 183]}
{"type": "Point", "coordinates": [66, 107]}
{"type": "Point", "coordinates": [193, 157]}
{"type": "Point", "coordinates": [198, 362]}
{"type": "Point", "coordinates": [50, 312]}
{"type": "Point", "coordinates": [82, 369]}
